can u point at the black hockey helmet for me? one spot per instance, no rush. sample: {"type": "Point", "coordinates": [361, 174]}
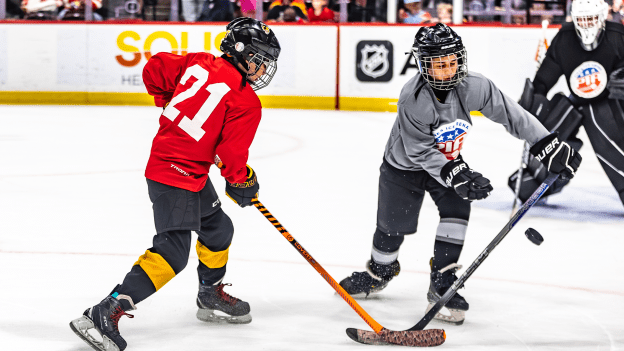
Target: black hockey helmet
{"type": "Point", "coordinates": [249, 40]}
{"type": "Point", "coordinates": [434, 43]}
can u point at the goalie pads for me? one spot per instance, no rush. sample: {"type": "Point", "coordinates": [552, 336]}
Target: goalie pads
{"type": "Point", "coordinates": [559, 115]}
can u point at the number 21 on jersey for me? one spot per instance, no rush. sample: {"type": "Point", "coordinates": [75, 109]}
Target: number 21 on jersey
{"type": "Point", "coordinates": [193, 127]}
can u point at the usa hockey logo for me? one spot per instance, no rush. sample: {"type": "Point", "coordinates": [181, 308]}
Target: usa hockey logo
{"type": "Point", "coordinates": [588, 80]}
{"type": "Point", "coordinates": [450, 137]}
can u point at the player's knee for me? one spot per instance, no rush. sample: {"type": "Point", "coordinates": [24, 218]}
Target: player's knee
{"type": "Point", "coordinates": [217, 231]}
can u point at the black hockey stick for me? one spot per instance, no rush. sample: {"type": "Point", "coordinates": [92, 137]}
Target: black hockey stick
{"type": "Point", "coordinates": [367, 337]}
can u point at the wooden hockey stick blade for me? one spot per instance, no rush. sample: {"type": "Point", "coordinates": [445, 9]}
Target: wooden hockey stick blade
{"type": "Point", "coordinates": [418, 338]}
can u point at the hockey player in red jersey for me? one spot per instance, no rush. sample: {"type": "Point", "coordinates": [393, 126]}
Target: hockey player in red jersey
{"type": "Point", "coordinates": [210, 108]}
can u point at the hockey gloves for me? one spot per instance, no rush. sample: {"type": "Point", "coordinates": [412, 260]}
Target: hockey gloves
{"type": "Point", "coordinates": [468, 184]}
{"type": "Point", "coordinates": [558, 157]}
{"type": "Point", "coordinates": [242, 193]}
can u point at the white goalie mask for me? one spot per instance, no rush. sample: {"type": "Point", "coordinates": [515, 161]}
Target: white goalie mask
{"type": "Point", "coordinates": [589, 18]}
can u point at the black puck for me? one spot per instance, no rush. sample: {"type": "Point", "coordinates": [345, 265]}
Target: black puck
{"type": "Point", "coordinates": [535, 237]}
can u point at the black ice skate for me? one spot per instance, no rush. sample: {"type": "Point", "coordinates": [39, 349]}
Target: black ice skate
{"type": "Point", "coordinates": [374, 279]}
{"type": "Point", "coordinates": [217, 306]}
{"type": "Point", "coordinates": [103, 318]}
{"type": "Point", "coordinates": [441, 281]}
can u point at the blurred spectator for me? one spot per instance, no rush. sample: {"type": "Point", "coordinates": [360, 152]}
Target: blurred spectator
{"type": "Point", "coordinates": [296, 3]}
{"type": "Point", "coordinates": [445, 13]}
{"type": "Point", "coordinates": [74, 10]}
{"type": "Point", "coordinates": [413, 13]}
{"type": "Point", "coordinates": [13, 9]}
{"type": "Point", "coordinates": [41, 9]}
{"type": "Point", "coordinates": [217, 11]}
{"type": "Point", "coordinates": [319, 12]}
{"type": "Point", "coordinates": [191, 9]}
{"type": "Point", "coordinates": [616, 11]}
{"type": "Point", "coordinates": [361, 11]}
{"type": "Point", "coordinates": [290, 15]}
{"type": "Point", "coordinates": [276, 14]}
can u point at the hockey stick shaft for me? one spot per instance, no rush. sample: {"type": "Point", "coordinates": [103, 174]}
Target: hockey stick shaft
{"type": "Point", "coordinates": [473, 267]}
{"type": "Point", "coordinates": [524, 161]}
{"type": "Point", "coordinates": [356, 307]}
{"type": "Point", "coordinates": [525, 153]}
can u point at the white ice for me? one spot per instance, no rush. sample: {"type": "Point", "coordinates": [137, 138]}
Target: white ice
{"type": "Point", "coordinates": [75, 216]}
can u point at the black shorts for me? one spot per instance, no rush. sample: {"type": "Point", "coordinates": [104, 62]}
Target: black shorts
{"type": "Point", "coordinates": [401, 194]}
{"type": "Point", "coordinates": [180, 209]}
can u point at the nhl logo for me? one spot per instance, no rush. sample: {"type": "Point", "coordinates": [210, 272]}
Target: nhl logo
{"type": "Point", "coordinates": [374, 61]}
{"type": "Point", "coordinates": [588, 80]}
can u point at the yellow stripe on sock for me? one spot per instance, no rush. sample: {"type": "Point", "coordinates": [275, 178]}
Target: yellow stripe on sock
{"type": "Point", "coordinates": [212, 259]}
{"type": "Point", "coordinates": [157, 268]}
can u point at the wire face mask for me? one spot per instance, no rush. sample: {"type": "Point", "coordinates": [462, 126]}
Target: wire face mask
{"type": "Point", "coordinates": [443, 72]}
{"type": "Point", "coordinates": [589, 17]}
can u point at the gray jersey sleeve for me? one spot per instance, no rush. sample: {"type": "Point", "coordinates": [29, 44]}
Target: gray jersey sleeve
{"type": "Point", "coordinates": [411, 145]}
{"type": "Point", "coordinates": [485, 97]}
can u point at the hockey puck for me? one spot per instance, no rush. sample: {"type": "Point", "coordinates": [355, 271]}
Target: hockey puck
{"type": "Point", "coordinates": [535, 237]}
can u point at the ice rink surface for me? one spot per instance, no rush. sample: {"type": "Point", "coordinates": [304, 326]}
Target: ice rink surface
{"type": "Point", "coordinates": [75, 216]}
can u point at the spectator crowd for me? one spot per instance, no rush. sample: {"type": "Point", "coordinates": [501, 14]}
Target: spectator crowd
{"type": "Point", "coordinates": [300, 11]}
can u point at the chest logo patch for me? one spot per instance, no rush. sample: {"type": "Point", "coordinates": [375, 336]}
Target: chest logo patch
{"type": "Point", "coordinates": [588, 80]}
{"type": "Point", "coordinates": [450, 137]}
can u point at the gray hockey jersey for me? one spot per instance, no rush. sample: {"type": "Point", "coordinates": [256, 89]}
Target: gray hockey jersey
{"type": "Point", "coordinates": [428, 133]}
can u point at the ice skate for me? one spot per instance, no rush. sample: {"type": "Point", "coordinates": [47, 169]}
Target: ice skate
{"type": "Point", "coordinates": [457, 306]}
{"type": "Point", "coordinates": [373, 280]}
{"type": "Point", "coordinates": [103, 318]}
{"type": "Point", "coordinates": [216, 306]}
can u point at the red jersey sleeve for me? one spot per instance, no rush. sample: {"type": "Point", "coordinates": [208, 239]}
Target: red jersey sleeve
{"type": "Point", "coordinates": [238, 132]}
{"type": "Point", "coordinates": [161, 75]}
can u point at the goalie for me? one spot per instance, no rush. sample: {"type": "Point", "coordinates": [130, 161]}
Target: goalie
{"type": "Point", "coordinates": [590, 53]}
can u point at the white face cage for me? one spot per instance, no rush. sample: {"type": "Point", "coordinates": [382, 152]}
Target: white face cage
{"type": "Point", "coordinates": [589, 18]}
{"type": "Point", "coordinates": [270, 69]}
{"type": "Point", "coordinates": [443, 72]}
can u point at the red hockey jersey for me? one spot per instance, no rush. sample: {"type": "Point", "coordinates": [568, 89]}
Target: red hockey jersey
{"type": "Point", "coordinates": [208, 113]}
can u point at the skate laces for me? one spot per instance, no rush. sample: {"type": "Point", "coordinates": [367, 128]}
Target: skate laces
{"type": "Point", "coordinates": [115, 316]}
{"type": "Point", "coordinates": [225, 296]}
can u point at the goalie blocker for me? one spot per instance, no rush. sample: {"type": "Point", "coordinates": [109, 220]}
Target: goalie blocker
{"type": "Point", "coordinates": [557, 115]}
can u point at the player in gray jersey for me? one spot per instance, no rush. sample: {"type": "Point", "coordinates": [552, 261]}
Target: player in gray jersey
{"type": "Point", "coordinates": [423, 155]}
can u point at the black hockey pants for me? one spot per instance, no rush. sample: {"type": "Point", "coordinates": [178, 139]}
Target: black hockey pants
{"type": "Point", "coordinates": [176, 213]}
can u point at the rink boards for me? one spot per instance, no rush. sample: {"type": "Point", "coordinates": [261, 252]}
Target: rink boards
{"type": "Point", "coordinates": [347, 67]}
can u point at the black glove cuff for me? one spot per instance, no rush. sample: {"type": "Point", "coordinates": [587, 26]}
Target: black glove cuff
{"type": "Point", "coordinates": [451, 169]}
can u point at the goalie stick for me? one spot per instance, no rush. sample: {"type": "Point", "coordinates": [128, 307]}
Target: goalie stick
{"type": "Point", "coordinates": [430, 337]}
{"type": "Point", "coordinates": [524, 161]}
{"type": "Point", "coordinates": [398, 337]}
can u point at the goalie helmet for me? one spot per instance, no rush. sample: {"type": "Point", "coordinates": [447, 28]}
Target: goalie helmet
{"type": "Point", "coordinates": [250, 41]}
{"type": "Point", "coordinates": [589, 17]}
{"type": "Point", "coordinates": [439, 45]}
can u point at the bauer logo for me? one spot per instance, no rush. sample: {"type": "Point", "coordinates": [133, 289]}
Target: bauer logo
{"type": "Point", "coordinates": [374, 61]}
{"type": "Point", "coordinates": [450, 138]}
{"type": "Point", "coordinates": [588, 80]}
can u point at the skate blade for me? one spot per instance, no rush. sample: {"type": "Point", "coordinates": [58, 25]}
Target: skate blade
{"type": "Point", "coordinates": [81, 326]}
{"type": "Point", "coordinates": [210, 316]}
{"type": "Point", "coordinates": [456, 317]}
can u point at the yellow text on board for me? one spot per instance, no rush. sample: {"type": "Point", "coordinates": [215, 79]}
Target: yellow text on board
{"type": "Point", "coordinates": [177, 47]}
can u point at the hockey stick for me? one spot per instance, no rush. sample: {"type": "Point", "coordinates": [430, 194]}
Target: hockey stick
{"type": "Point", "coordinates": [525, 151]}
{"type": "Point", "coordinates": [430, 337]}
{"type": "Point", "coordinates": [398, 337]}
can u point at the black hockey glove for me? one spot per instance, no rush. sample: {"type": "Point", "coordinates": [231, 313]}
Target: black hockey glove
{"type": "Point", "coordinates": [468, 184]}
{"type": "Point", "coordinates": [558, 157]}
{"type": "Point", "coordinates": [242, 193]}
